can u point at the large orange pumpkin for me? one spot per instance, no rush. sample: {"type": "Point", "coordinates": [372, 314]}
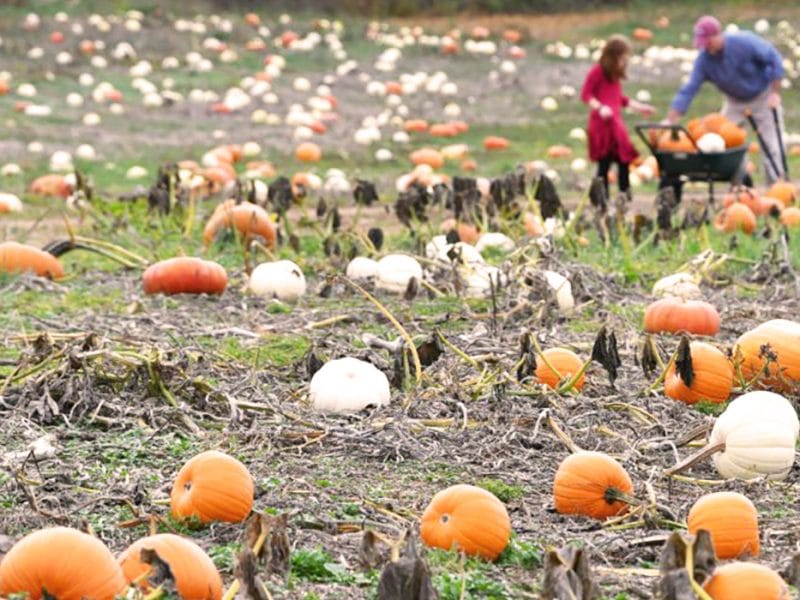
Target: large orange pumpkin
{"type": "Point", "coordinates": [212, 486]}
{"type": "Point", "coordinates": [675, 141]}
{"type": "Point", "coordinates": [790, 216]}
{"type": "Point", "coordinates": [194, 572]}
{"type": "Point", "coordinates": [736, 216]}
{"type": "Point", "coordinates": [467, 518]}
{"type": "Point", "coordinates": [732, 521]}
{"type": "Point", "coordinates": [713, 122]}
{"type": "Point", "coordinates": [733, 135]}
{"type": "Point", "coordinates": [185, 275]}
{"type": "Point", "coordinates": [495, 142]}
{"type": "Point", "coordinates": [308, 152]}
{"type": "Point", "coordinates": [589, 484]}
{"type": "Point", "coordinates": [785, 191]}
{"type": "Point", "coordinates": [249, 219]}
{"type": "Point", "coordinates": [427, 156]}
{"type": "Point", "coordinates": [676, 315]}
{"type": "Point", "coordinates": [746, 581]}
{"type": "Point", "coordinates": [65, 563]}
{"type": "Point", "coordinates": [783, 340]}
{"type": "Point", "coordinates": [54, 185]}
{"type": "Point", "coordinates": [713, 376]}
{"type": "Point", "coordinates": [16, 257]}
{"type": "Point", "coordinates": [565, 361]}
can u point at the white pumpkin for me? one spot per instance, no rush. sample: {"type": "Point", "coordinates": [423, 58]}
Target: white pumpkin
{"type": "Point", "coordinates": [347, 385]}
{"type": "Point", "coordinates": [9, 203]}
{"type": "Point", "coordinates": [495, 240]}
{"type": "Point", "coordinates": [682, 285]}
{"type": "Point", "coordinates": [396, 270]}
{"type": "Point", "coordinates": [281, 279]}
{"type": "Point", "coordinates": [711, 143]}
{"type": "Point", "coordinates": [361, 268]}
{"type": "Point", "coordinates": [562, 288]}
{"type": "Point", "coordinates": [465, 254]}
{"type": "Point", "coordinates": [480, 278]}
{"type": "Point", "coordinates": [760, 430]}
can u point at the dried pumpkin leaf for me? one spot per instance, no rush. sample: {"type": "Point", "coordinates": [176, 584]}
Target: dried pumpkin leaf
{"type": "Point", "coordinates": [407, 578]}
{"type": "Point", "coordinates": [271, 532]}
{"type": "Point", "coordinates": [567, 574]}
{"type": "Point", "coordinates": [683, 362]}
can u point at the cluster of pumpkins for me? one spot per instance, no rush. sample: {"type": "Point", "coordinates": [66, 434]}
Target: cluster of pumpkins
{"type": "Point", "coordinates": [710, 134]}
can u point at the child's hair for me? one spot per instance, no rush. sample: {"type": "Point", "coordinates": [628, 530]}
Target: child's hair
{"type": "Point", "coordinates": [616, 46]}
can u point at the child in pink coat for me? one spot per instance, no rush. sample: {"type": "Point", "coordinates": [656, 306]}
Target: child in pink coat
{"type": "Point", "coordinates": [602, 91]}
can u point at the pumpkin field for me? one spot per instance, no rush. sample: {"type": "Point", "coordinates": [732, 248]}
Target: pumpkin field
{"type": "Point", "coordinates": [311, 305]}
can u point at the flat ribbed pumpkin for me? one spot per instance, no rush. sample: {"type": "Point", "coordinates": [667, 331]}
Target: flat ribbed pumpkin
{"type": "Point", "coordinates": [736, 216]}
{"type": "Point", "coordinates": [589, 484]}
{"type": "Point", "coordinates": [16, 258]}
{"type": "Point", "coordinates": [194, 572]}
{"type": "Point", "coordinates": [66, 563]}
{"type": "Point", "coordinates": [746, 581]}
{"type": "Point", "coordinates": [676, 315]}
{"type": "Point", "coordinates": [184, 275]}
{"type": "Point", "coordinates": [783, 338]}
{"type": "Point", "coordinates": [468, 518]}
{"type": "Point", "coordinates": [565, 361]}
{"type": "Point", "coordinates": [732, 521]}
{"type": "Point", "coordinates": [711, 379]}
{"type": "Point", "coordinates": [212, 486]}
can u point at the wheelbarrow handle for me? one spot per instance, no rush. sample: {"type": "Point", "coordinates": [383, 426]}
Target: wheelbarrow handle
{"type": "Point", "coordinates": [675, 127]}
{"type": "Point", "coordinates": [779, 133]}
{"type": "Point", "coordinates": [764, 147]}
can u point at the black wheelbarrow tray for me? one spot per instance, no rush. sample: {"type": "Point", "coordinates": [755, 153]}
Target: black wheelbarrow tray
{"type": "Point", "coordinates": [692, 166]}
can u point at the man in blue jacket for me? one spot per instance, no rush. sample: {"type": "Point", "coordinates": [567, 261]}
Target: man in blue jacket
{"type": "Point", "coordinates": [748, 70]}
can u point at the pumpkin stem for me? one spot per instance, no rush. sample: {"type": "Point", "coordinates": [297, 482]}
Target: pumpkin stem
{"type": "Point", "coordinates": [701, 454]}
{"type": "Point", "coordinates": [612, 495]}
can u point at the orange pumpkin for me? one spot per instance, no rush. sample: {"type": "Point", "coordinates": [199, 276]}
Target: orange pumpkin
{"type": "Point", "coordinates": [675, 141]}
{"type": "Point", "coordinates": [566, 362]}
{"type": "Point", "coordinates": [642, 35]}
{"type": "Point", "coordinates": [790, 216]}
{"type": "Point", "coordinates": [736, 216]}
{"type": "Point", "coordinates": [308, 152]}
{"type": "Point", "coordinates": [16, 257]}
{"type": "Point", "coordinates": [783, 338]}
{"type": "Point", "coordinates": [532, 224]}
{"type": "Point", "coordinates": [66, 563]}
{"type": "Point", "coordinates": [460, 126]}
{"type": "Point", "coordinates": [416, 126]}
{"type": "Point", "coordinates": [185, 275]}
{"type": "Point", "coordinates": [733, 135]}
{"type": "Point", "coordinates": [559, 151]}
{"type": "Point", "coordinates": [590, 484]}
{"type": "Point", "coordinates": [252, 19]}
{"type": "Point", "coordinates": [467, 232]}
{"type": "Point", "coordinates": [442, 130]}
{"type": "Point", "coordinates": [394, 87]}
{"type": "Point", "coordinates": [713, 376]}
{"type": "Point", "coordinates": [676, 315]}
{"type": "Point", "coordinates": [512, 36]}
{"type": "Point", "coordinates": [494, 142]}
{"type": "Point", "coordinates": [713, 122]}
{"type": "Point", "coordinates": [469, 165]}
{"type": "Point", "coordinates": [746, 581]}
{"type": "Point", "coordinates": [212, 486]}
{"type": "Point", "coordinates": [732, 521]}
{"type": "Point", "coordinates": [785, 191]}
{"type": "Point", "coordinates": [428, 156]}
{"type": "Point", "coordinates": [194, 572]}
{"type": "Point", "coordinates": [51, 185]}
{"type": "Point", "coordinates": [696, 128]}
{"type": "Point", "coordinates": [249, 219]}
{"type": "Point", "coordinates": [746, 196]}
{"type": "Point", "coordinates": [467, 518]}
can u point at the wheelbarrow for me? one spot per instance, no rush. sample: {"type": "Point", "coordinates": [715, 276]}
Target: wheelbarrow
{"type": "Point", "coordinates": [676, 167]}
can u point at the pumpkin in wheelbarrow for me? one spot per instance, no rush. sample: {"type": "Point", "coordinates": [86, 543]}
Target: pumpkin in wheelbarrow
{"type": "Point", "coordinates": [675, 141]}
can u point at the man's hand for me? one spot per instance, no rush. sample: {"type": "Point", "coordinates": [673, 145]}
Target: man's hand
{"type": "Point", "coordinates": [672, 117]}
